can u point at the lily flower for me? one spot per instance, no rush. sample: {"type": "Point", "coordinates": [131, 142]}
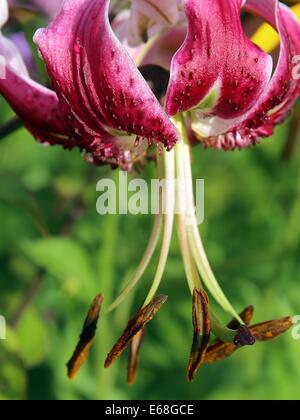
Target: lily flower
{"type": "Point", "coordinates": [166, 74]}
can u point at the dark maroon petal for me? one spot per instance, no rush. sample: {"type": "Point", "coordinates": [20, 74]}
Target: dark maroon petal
{"type": "Point", "coordinates": [37, 106]}
{"type": "Point", "coordinates": [281, 93]}
{"type": "Point", "coordinates": [284, 89]}
{"type": "Point", "coordinates": [218, 69]}
{"type": "Point", "coordinates": [96, 79]}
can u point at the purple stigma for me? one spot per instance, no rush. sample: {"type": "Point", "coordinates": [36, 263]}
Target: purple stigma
{"type": "Point", "coordinates": [244, 337]}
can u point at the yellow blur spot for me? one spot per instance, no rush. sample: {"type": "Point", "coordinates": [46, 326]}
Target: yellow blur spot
{"type": "Point", "coordinates": [267, 38]}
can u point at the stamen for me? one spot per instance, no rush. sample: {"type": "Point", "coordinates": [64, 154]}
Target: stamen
{"type": "Point", "coordinates": [261, 332]}
{"type": "Point", "coordinates": [86, 338]}
{"type": "Point", "coordinates": [246, 316]}
{"type": "Point", "coordinates": [153, 241]}
{"type": "Point", "coordinates": [169, 163]}
{"type": "Point", "coordinates": [191, 272]}
{"type": "Point", "coordinates": [272, 329]}
{"type": "Point", "coordinates": [192, 228]}
{"type": "Point", "coordinates": [201, 323]}
{"type": "Point", "coordinates": [135, 326]}
{"type": "Point", "coordinates": [219, 352]}
{"type": "Point", "coordinates": [136, 345]}
{"type": "Point", "coordinates": [152, 244]}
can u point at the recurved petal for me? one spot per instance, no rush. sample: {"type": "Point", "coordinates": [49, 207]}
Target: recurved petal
{"type": "Point", "coordinates": [96, 79]}
{"type": "Point", "coordinates": [284, 88]}
{"type": "Point", "coordinates": [280, 94]}
{"type": "Point", "coordinates": [218, 70]}
{"type": "Point", "coordinates": [37, 106]}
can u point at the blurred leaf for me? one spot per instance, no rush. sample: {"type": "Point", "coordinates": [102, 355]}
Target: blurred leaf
{"type": "Point", "coordinates": [33, 338]}
{"type": "Point", "coordinates": [63, 258]}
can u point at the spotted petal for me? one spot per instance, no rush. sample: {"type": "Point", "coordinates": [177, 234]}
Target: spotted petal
{"type": "Point", "coordinates": [218, 70]}
{"type": "Point", "coordinates": [95, 78]}
{"type": "Point", "coordinates": [284, 88]}
{"type": "Point", "coordinates": [280, 94]}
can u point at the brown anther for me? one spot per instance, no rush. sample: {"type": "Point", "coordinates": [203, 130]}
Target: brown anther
{"type": "Point", "coordinates": [219, 351]}
{"type": "Point", "coordinates": [133, 365]}
{"type": "Point", "coordinates": [246, 316]}
{"type": "Point", "coordinates": [269, 330]}
{"type": "Point", "coordinates": [86, 338]}
{"type": "Point", "coordinates": [134, 326]}
{"type": "Point", "coordinates": [202, 329]}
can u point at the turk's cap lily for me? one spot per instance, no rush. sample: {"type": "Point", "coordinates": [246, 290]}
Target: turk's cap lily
{"type": "Point", "coordinates": [223, 84]}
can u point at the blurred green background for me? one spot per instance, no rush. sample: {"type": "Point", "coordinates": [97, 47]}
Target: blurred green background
{"type": "Point", "coordinates": [56, 253]}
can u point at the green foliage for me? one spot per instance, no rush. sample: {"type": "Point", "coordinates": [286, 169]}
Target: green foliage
{"type": "Point", "coordinates": [252, 234]}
